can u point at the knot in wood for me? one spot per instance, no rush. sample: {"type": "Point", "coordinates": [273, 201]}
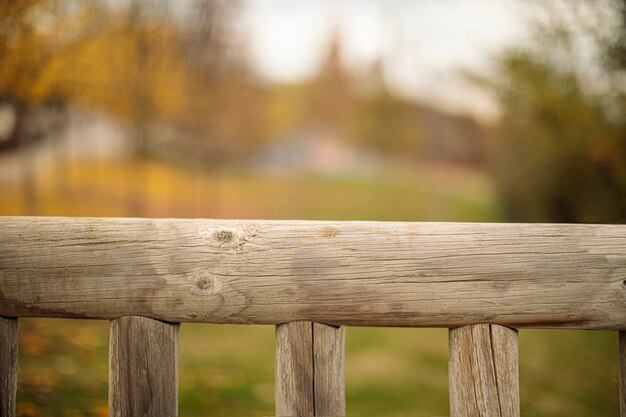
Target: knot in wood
{"type": "Point", "coordinates": [205, 283]}
{"type": "Point", "coordinates": [222, 237]}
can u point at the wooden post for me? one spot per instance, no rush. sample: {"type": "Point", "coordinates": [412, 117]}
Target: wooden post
{"type": "Point", "coordinates": [143, 368]}
{"type": "Point", "coordinates": [294, 369]}
{"type": "Point", "coordinates": [310, 370]}
{"type": "Point", "coordinates": [622, 373]}
{"type": "Point", "coordinates": [483, 371]}
{"type": "Point", "coordinates": [8, 366]}
{"type": "Point", "coordinates": [328, 357]}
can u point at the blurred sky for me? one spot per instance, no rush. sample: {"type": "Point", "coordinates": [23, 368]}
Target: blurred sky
{"type": "Point", "coordinates": [422, 43]}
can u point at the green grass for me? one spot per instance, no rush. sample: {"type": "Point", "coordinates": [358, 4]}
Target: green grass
{"type": "Point", "coordinates": [227, 370]}
{"type": "Point", "coordinates": [108, 188]}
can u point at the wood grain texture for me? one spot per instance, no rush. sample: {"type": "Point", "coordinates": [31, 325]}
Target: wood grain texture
{"type": "Point", "coordinates": [483, 371]}
{"type": "Point", "coordinates": [294, 370]}
{"type": "Point", "coordinates": [143, 368]}
{"type": "Point", "coordinates": [309, 370]}
{"type": "Point", "coordinates": [622, 373]}
{"type": "Point", "coordinates": [328, 360]}
{"type": "Point", "coordinates": [8, 366]}
{"type": "Point", "coordinates": [340, 273]}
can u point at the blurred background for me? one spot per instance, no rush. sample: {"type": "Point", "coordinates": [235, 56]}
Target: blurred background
{"type": "Point", "coordinates": [456, 110]}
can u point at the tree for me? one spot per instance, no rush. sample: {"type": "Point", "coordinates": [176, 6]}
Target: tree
{"type": "Point", "coordinates": [559, 150]}
{"type": "Point", "coordinates": [136, 62]}
{"type": "Point", "coordinates": [27, 77]}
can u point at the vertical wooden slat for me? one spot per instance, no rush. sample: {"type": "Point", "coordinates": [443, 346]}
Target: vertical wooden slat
{"type": "Point", "coordinates": [309, 370]}
{"type": "Point", "coordinates": [294, 369]}
{"type": "Point", "coordinates": [483, 371]}
{"type": "Point", "coordinates": [622, 373]}
{"type": "Point", "coordinates": [143, 368]}
{"type": "Point", "coordinates": [328, 361]}
{"type": "Point", "coordinates": [8, 366]}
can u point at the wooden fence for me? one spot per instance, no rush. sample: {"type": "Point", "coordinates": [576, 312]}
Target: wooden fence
{"type": "Point", "coordinates": [310, 279]}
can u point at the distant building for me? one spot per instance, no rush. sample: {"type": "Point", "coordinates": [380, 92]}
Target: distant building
{"type": "Point", "coordinates": [331, 95]}
{"type": "Point", "coordinates": [316, 153]}
{"type": "Point", "coordinates": [349, 124]}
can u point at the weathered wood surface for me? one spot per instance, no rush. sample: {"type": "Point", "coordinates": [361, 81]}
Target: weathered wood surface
{"type": "Point", "coordinates": [309, 370]}
{"type": "Point", "coordinates": [143, 368]}
{"type": "Point", "coordinates": [622, 373]}
{"type": "Point", "coordinates": [8, 366]}
{"type": "Point", "coordinates": [328, 363]}
{"type": "Point", "coordinates": [294, 370]}
{"type": "Point", "coordinates": [351, 273]}
{"type": "Point", "coordinates": [483, 371]}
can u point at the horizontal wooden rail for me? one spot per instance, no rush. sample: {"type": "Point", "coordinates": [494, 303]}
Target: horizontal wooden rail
{"type": "Point", "coordinates": [339, 273]}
